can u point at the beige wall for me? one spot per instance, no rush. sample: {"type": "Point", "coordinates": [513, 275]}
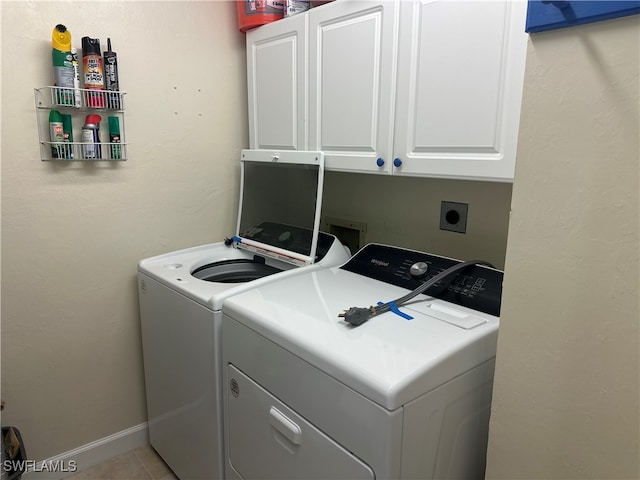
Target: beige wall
{"type": "Point", "coordinates": [405, 211]}
{"type": "Point", "coordinates": [73, 233]}
{"type": "Point", "coordinates": [566, 396]}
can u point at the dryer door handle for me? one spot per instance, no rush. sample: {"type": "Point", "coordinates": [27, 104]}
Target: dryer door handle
{"type": "Point", "coordinates": [285, 426]}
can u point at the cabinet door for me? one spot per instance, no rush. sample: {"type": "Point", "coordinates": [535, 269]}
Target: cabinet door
{"type": "Point", "coordinates": [460, 75]}
{"type": "Point", "coordinates": [269, 441]}
{"type": "Point", "coordinates": [352, 49]}
{"type": "Point", "coordinates": [277, 84]}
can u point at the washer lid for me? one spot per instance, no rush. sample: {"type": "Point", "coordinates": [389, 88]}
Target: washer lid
{"type": "Point", "coordinates": [280, 202]}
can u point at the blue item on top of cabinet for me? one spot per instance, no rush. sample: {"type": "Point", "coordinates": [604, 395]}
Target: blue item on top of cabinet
{"type": "Point", "coordinates": [545, 15]}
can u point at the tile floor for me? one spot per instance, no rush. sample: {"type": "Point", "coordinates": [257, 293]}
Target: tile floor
{"type": "Point", "coordinates": [140, 464]}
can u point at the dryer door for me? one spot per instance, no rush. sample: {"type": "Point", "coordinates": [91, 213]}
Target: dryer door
{"type": "Point", "coordinates": [268, 440]}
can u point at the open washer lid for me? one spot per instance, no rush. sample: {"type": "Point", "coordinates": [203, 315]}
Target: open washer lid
{"type": "Point", "coordinates": [280, 203]}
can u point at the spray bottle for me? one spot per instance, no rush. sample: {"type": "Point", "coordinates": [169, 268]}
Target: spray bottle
{"type": "Point", "coordinates": [56, 134]}
{"type": "Point", "coordinates": [93, 71]}
{"type": "Point", "coordinates": [63, 72]}
{"type": "Point", "coordinates": [114, 138]}
{"type": "Point", "coordinates": [91, 136]}
{"type": "Point", "coordinates": [67, 132]}
{"type": "Point", "coordinates": [76, 77]}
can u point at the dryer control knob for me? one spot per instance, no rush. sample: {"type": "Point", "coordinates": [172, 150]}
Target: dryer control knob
{"type": "Point", "coordinates": [418, 269]}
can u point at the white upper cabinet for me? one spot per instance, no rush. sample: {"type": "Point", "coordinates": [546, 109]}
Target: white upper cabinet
{"type": "Point", "coordinates": [352, 47]}
{"type": "Point", "coordinates": [277, 84]}
{"type": "Point", "coordinates": [459, 88]}
{"type": "Point", "coordinates": [409, 87]}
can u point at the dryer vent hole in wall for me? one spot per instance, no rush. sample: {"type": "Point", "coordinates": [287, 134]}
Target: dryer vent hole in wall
{"type": "Point", "coordinates": [350, 232]}
{"type": "Point", "coordinates": [453, 216]}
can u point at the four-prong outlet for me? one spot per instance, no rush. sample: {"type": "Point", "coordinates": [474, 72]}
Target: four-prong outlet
{"type": "Point", "coordinates": [453, 216]}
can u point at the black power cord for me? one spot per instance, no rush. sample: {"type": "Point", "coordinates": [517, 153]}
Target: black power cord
{"type": "Point", "coordinates": [356, 316]}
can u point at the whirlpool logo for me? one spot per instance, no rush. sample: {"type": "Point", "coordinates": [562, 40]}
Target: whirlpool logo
{"type": "Point", "coordinates": [379, 263]}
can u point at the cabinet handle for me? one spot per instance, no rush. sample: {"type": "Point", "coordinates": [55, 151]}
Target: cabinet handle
{"type": "Point", "coordinates": [286, 427]}
{"type": "Point", "coordinates": [397, 162]}
{"type": "Point", "coordinates": [380, 161]}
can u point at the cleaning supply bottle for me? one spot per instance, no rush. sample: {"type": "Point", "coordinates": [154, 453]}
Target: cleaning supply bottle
{"type": "Point", "coordinates": [114, 137]}
{"type": "Point", "coordinates": [93, 69]}
{"type": "Point", "coordinates": [67, 132]}
{"type": "Point", "coordinates": [111, 82]}
{"type": "Point", "coordinates": [76, 77]}
{"type": "Point", "coordinates": [91, 136]}
{"type": "Point", "coordinates": [56, 134]}
{"type": "Point", "coordinates": [292, 7]}
{"type": "Point", "coordinates": [63, 72]}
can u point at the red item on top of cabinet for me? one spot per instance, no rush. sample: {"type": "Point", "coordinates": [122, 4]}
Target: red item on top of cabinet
{"type": "Point", "coordinates": [317, 3]}
{"type": "Point", "coordinates": [253, 13]}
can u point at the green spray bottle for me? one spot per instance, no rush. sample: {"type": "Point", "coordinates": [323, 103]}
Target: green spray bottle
{"type": "Point", "coordinates": [67, 133]}
{"type": "Point", "coordinates": [63, 71]}
{"type": "Point", "coordinates": [114, 138]}
{"type": "Point", "coordinates": [56, 134]}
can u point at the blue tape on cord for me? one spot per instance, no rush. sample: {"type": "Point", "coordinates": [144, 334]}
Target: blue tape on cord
{"type": "Point", "coordinates": [396, 310]}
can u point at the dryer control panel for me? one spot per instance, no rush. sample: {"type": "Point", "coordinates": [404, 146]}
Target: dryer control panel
{"type": "Point", "coordinates": [476, 287]}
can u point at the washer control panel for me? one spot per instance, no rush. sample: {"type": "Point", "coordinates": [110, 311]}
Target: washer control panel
{"type": "Point", "coordinates": [477, 287]}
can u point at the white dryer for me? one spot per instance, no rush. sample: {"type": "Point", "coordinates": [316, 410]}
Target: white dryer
{"type": "Point", "coordinates": [405, 395]}
{"type": "Point", "coordinates": [181, 294]}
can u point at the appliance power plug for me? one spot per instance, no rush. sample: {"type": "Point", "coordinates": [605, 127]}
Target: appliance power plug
{"type": "Point", "coordinates": [356, 316]}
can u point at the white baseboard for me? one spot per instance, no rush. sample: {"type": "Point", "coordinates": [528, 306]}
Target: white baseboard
{"type": "Point", "coordinates": [88, 455]}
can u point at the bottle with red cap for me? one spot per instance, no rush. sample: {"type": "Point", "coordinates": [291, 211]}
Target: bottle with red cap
{"type": "Point", "coordinates": [91, 136]}
{"type": "Point", "coordinates": [93, 72]}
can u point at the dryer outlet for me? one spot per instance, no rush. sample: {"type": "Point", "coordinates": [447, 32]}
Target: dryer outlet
{"type": "Point", "coordinates": [453, 216]}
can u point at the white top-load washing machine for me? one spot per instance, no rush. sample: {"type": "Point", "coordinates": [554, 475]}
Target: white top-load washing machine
{"type": "Point", "coordinates": [405, 395]}
{"type": "Point", "coordinates": [181, 294]}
